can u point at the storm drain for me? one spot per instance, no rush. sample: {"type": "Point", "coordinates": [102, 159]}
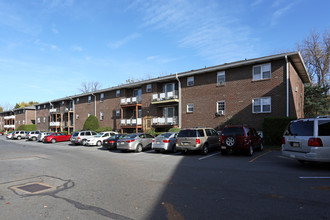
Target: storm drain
{"type": "Point", "coordinates": [34, 187]}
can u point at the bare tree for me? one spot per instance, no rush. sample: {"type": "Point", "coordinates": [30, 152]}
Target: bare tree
{"type": "Point", "coordinates": [91, 86]}
{"type": "Point", "coordinates": [315, 50]}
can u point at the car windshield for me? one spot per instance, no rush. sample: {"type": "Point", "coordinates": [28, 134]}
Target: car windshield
{"type": "Point", "coordinates": [301, 128]}
{"type": "Point", "coordinates": [165, 135]}
{"type": "Point", "coordinates": [99, 135]}
{"type": "Point", "coordinates": [233, 131]}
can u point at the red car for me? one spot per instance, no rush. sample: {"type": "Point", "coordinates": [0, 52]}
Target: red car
{"type": "Point", "coordinates": [56, 137]}
{"type": "Point", "coordinates": [240, 138]}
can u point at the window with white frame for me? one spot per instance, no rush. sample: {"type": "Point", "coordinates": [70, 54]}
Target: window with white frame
{"type": "Point", "coordinates": [38, 107]}
{"type": "Point", "coordinates": [190, 81]}
{"type": "Point", "coordinates": [101, 116]}
{"type": "Point", "coordinates": [19, 122]}
{"type": "Point", "coordinates": [261, 105]}
{"type": "Point", "coordinates": [149, 88]}
{"type": "Point", "coordinates": [89, 114]}
{"type": "Point", "coordinates": [23, 122]}
{"type": "Point", "coordinates": [102, 97]}
{"type": "Point", "coordinates": [77, 101]}
{"type": "Point", "coordinates": [221, 107]}
{"type": "Point", "coordinates": [190, 107]}
{"type": "Point", "coordinates": [118, 113]}
{"type": "Point", "coordinates": [221, 78]}
{"type": "Point", "coordinates": [44, 119]}
{"type": "Point", "coordinates": [62, 102]}
{"type": "Point", "coordinates": [44, 106]}
{"type": "Point", "coordinates": [77, 116]}
{"type": "Point", "coordinates": [262, 71]}
{"type": "Point", "coordinates": [117, 93]}
{"type": "Point", "coordinates": [38, 120]}
{"type": "Point", "coordinates": [89, 99]}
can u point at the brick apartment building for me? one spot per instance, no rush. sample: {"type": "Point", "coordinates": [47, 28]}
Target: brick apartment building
{"type": "Point", "coordinates": [10, 120]}
{"type": "Point", "coordinates": [243, 92]}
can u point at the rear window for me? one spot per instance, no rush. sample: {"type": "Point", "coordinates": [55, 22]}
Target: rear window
{"type": "Point", "coordinates": [324, 127]}
{"type": "Point", "coordinates": [165, 135]}
{"type": "Point", "coordinates": [233, 131]}
{"type": "Point", "coordinates": [131, 136]}
{"type": "Point", "coordinates": [301, 128]}
{"type": "Point", "coordinates": [75, 134]}
{"type": "Point", "coordinates": [187, 133]}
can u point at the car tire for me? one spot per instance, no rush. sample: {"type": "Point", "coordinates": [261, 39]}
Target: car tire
{"type": "Point", "coordinates": [261, 147]}
{"type": "Point", "coordinates": [224, 152]}
{"type": "Point", "coordinates": [205, 149]}
{"type": "Point", "coordinates": [19, 138]}
{"type": "Point", "coordinates": [174, 150]}
{"type": "Point", "coordinates": [249, 151]}
{"type": "Point", "coordinates": [53, 141]}
{"type": "Point", "coordinates": [230, 141]}
{"type": "Point", "coordinates": [34, 138]}
{"type": "Point", "coordinates": [83, 142]}
{"type": "Point", "coordinates": [98, 143]}
{"type": "Point", "coordinates": [138, 148]}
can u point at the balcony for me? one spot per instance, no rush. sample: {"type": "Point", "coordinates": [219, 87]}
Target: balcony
{"type": "Point", "coordinates": [54, 124]}
{"type": "Point", "coordinates": [164, 121]}
{"type": "Point", "coordinates": [165, 97]}
{"type": "Point", "coordinates": [131, 122]}
{"type": "Point", "coordinates": [130, 101]}
{"type": "Point", "coordinates": [10, 126]}
{"type": "Point", "coordinates": [54, 110]}
{"type": "Point", "coordinates": [9, 117]}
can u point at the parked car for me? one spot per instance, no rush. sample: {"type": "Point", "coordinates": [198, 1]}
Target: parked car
{"type": "Point", "coordinates": [42, 135]}
{"type": "Point", "coordinates": [165, 142]}
{"type": "Point", "coordinates": [19, 135]}
{"type": "Point", "coordinates": [57, 137]}
{"type": "Point", "coordinates": [33, 135]}
{"type": "Point", "coordinates": [98, 139]}
{"type": "Point", "coordinates": [80, 137]}
{"type": "Point", "coordinates": [10, 135]}
{"type": "Point", "coordinates": [111, 142]}
{"type": "Point", "coordinates": [197, 139]}
{"type": "Point", "coordinates": [307, 140]}
{"type": "Point", "coordinates": [1, 133]}
{"type": "Point", "coordinates": [135, 142]}
{"type": "Point", "coordinates": [240, 138]}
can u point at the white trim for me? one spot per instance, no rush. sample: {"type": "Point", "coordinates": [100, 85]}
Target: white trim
{"type": "Point", "coordinates": [190, 79]}
{"type": "Point", "coordinates": [224, 74]}
{"type": "Point", "coordinates": [193, 106]}
{"type": "Point", "coordinates": [217, 106]}
{"type": "Point", "coordinates": [261, 104]}
{"type": "Point", "coordinates": [261, 71]}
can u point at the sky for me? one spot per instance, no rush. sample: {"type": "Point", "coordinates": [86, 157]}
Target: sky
{"type": "Point", "coordinates": [48, 48]}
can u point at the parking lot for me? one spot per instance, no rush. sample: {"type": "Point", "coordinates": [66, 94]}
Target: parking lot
{"type": "Point", "coordinates": [92, 183]}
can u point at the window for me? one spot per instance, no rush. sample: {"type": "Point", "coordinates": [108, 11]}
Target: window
{"type": "Point", "coordinates": [77, 101]}
{"type": "Point", "coordinates": [261, 105]}
{"type": "Point", "coordinates": [221, 107]}
{"type": "Point", "coordinates": [190, 81]}
{"type": "Point", "coordinates": [118, 93]}
{"type": "Point", "coordinates": [38, 120]}
{"type": "Point", "coordinates": [149, 88]}
{"type": "Point", "coordinates": [169, 87]}
{"type": "Point", "coordinates": [118, 113]}
{"type": "Point", "coordinates": [44, 106]}
{"type": "Point", "coordinates": [102, 97]}
{"type": "Point", "coordinates": [89, 99]}
{"type": "Point", "coordinates": [38, 107]}
{"type": "Point", "coordinates": [221, 78]}
{"type": "Point", "coordinates": [262, 71]}
{"type": "Point", "coordinates": [101, 116]}
{"type": "Point", "coordinates": [19, 122]}
{"type": "Point", "coordinates": [77, 116]}
{"type": "Point", "coordinates": [62, 102]}
{"type": "Point", "coordinates": [23, 122]}
{"type": "Point", "coordinates": [44, 119]}
{"type": "Point", "coordinates": [190, 107]}
{"type": "Point", "coordinates": [89, 114]}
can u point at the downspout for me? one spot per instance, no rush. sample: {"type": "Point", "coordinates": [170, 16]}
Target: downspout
{"type": "Point", "coordinates": [94, 104]}
{"type": "Point", "coordinates": [74, 113]}
{"type": "Point", "coordinates": [25, 116]}
{"type": "Point", "coordinates": [287, 87]}
{"type": "Point", "coordinates": [179, 89]}
{"type": "Point", "coordinates": [50, 118]}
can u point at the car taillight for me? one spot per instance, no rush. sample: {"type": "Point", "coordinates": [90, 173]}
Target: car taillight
{"type": "Point", "coordinates": [283, 140]}
{"type": "Point", "coordinates": [78, 138]}
{"type": "Point", "coordinates": [112, 142]}
{"type": "Point", "coordinates": [198, 141]}
{"type": "Point", "coordinates": [166, 141]}
{"type": "Point", "coordinates": [315, 142]}
{"type": "Point", "coordinates": [153, 140]}
{"type": "Point", "coordinates": [129, 141]}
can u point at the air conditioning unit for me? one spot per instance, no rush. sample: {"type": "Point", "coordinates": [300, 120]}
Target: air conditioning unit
{"type": "Point", "coordinates": [222, 83]}
{"type": "Point", "coordinates": [219, 113]}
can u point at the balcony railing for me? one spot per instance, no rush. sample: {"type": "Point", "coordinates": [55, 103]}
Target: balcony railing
{"type": "Point", "coordinates": [165, 121]}
{"type": "Point", "coordinates": [68, 110]}
{"type": "Point", "coordinates": [129, 101]}
{"type": "Point", "coordinates": [10, 126]}
{"type": "Point", "coordinates": [9, 117]}
{"type": "Point", "coordinates": [54, 123]}
{"type": "Point", "coordinates": [165, 96]}
{"type": "Point", "coordinates": [54, 110]}
{"type": "Point", "coordinates": [132, 122]}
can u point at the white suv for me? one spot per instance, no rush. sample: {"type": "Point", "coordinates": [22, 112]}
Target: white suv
{"type": "Point", "coordinates": [80, 137]}
{"type": "Point", "coordinates": [33, 135]}
{"type": "Point", "coordinates": [98, 139]}
{"type": "Point", "coordinates": [308, 140]}
{"type": "Point", "coordinates": [19, 135]}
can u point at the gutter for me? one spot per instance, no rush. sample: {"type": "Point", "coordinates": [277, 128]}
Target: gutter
{"type": "Point", "coordinates": [179, 108]}
{"type": "Point", "coordinates": [94, 104]}
{"type": "Point", "coordinates": [287, 87]}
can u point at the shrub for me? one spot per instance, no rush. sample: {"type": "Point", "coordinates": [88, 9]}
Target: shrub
{"type": "Point", "coordinates": [91, 123]}
{"type": "Point", "coordinates": [152, 132]}
{"type": "Point", "coordinates": [273, 129]}
{"type": "Point", "coordinates": [31, 127]}
{"type": "Point", "coordinates": [175, 129]}
{"type": "Point", "coordinates": [21, 128]}
{"type": "Point", "coordinates": [106, 128]}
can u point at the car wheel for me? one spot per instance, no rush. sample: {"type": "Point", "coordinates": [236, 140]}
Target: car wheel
{"type": "Point", "coordinates": [261, 147]}
{"type": "Point", "coordinates": [53, 141]}
{"type": "Point", "coordinates": [19, 138]}
{"type": "Point", "coordinates": [174, 150]}
{"type": "Point", "coordinates": [230, 141]}
{"type": "Point", "coordinates": [99, 143]}
{"type": "Point", "coordinates": [224, 152]}
{"type": "Point", "coordinates": [34, 138]}
{"type": "Point", "coordinates": [83, 142]}
{"type": "Point", "coordinates": [250, 151]}
{"type": "Point", "coordinates": [205, 149]}
{"type": "Point", "coordinates": [139, 148]}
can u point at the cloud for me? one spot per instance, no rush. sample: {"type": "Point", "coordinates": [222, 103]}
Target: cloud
{"type": "Point", "coordinates": [280, 12]}
{"type": "Point", "coordinates": [161, 60]}
{"type": "Point", "coordinates": [205, 28]}
{"type": "Point", "coordinates": [122, 42]}
{"type": "Point", "coordinates": [44, 46]}
{"type": "Point", "coordinates": [256, 2]}
{"type": "Point", "coordinates": [76, 48]}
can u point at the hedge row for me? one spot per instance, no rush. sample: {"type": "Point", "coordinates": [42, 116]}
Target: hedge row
{"type": "Point", "coordinates": [30, 127]}
{"type": "Point", "coordinates": [273, 129]}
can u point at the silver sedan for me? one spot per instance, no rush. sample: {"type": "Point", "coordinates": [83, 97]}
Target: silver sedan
{"type": "Point", "coordinates": [165, 142]}
{"type": "Point", "coordinates": [135, 142]}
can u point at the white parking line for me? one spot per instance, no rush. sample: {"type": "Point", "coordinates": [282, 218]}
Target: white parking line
{"type": "Point", "coordinates": [202, 158]}
{"type": "Point", "coordinates": [314, 177]}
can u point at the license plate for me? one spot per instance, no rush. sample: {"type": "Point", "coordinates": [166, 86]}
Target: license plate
{"type": "Point", "coordinates": [157, 142]}
{"type": "Point", "coordinates": [185, 143]}
{"type": "Point", "coordinates": [295, 144]}
{"type": "Point", "coordinates": [223, 147]}
{"type": "Point", "coordinates": [122, 142]}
